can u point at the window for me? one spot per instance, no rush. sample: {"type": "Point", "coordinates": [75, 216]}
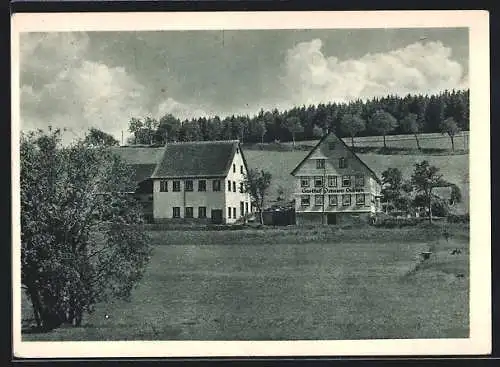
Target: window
{"type": "Point", "coordinates": [241, 169]}
{"type": "Point", "coordinates": [234, 186]}
{"type": "Point", "coordinates": [360, 181]}
{"type": "Point", "coordinates": [318, 200]}
{"type": "Point", "coordinates": [202, 212]}
{"type": "Point", "coordinates": [332, 200]}
{"type": "Point", "coordinates": [234, 213]}
{"type": "Point", "coordinates": [332, 181]}
{"type": "Point", "coordinates": [229, 212]}
{"type": "Point", "coordinates": [246, 208]}
{"type": "Point", "coordinates": [360, 199]}
{"type": "Point", "coordinates": [242, 189]}
{"type": "Point", "coordinates": [304, 182]}
{"type": "Point", "coordinates": [331, 145]}
{"type": "Point", "coordinates": [188, 212]}
{"type": "Point", "coordinates": [228, 185]}
{"type": "Point", "coordinates": [216, 185]}
{"type": "Point", "coordinates": [342, 163]}
{"type": "Point", "coordinates": [346, 181]}
{"type": "Point", "coordinates": [188, 185]}
{"type": "Point", "coordinates": [346, 200]}
{"type": "Point", "coordinates": [176, 212]}
{"type": "Point", "coordinates": [318, 181]}
{"type": "Point", "coordinates": [163, 186]}
{"type": "Point", "coordinates": [242, 208]}
{"type": "Point", "coordinates": [202, 185]}
{"type": "Point", "coordinates": [305, 200]}
{"type": "Point", "coordinates": [320, 163]}
{"type": "Point", "coordinates": [176, 186]}
{"type": "Point", "coordinates": [234, 167]}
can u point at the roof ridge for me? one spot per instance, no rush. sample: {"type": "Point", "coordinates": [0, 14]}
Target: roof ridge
{"type": "Point", "coordinates": [232, 141]}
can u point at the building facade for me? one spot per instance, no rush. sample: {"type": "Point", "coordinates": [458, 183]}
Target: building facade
{"type": "Point", "coordinates": [200, 182]}
{"type": "Point", "coordinates": [333, 185]}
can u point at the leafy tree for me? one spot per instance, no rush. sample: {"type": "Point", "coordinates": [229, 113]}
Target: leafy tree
{"type": "Point", "coordinates": [456, 194]}
{"type": "Point", "coordinates": [149, 129]}
{"type": "Point", "coordinates": [450, 127]}
{"type": "Point", "coordinates": [411, 125]}
{"type": "Point", "coordinates": [168, 129]}
{"type": "Point", "coordinates": [352, 125]}
{"type": "Point", "coordinates": [292, 124]}
{"type": "Point", "coordinates": [135, 126]}
{"type": "Point", "coordinates": [96, 137]}
{"type": "Point", "coordinates": [79, 242]}
{"type": "Point", "coordinates": [383, 123]}
{"type": "Point", "coordinates": [317, 132]}
{"type": "Point", "coordinates": [424, 179]}
{"type": "Point", "coordinates": [257, 183]}
{"type": "Point", "coordinates": [392, 185]}
{"type": "Point", "coordinates": [260, 129]}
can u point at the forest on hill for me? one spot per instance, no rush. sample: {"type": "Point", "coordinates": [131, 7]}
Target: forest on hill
{"type": "Point", "coordinates": [447, 112]}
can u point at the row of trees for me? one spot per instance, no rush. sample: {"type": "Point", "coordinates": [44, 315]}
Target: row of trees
{"type": "Point", "coordinates": [447, 112]}
{"type": "Point", "coordinates": [79, 240]}
{"type": "Point", "coordinates": [418, 191]}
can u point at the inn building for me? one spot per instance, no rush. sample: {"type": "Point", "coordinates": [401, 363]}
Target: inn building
{"type": "Point", "coordinates": [334, 186]}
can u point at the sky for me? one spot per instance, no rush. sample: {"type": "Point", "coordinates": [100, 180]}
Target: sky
{"type": "Point", "coordinates": [78, 80]}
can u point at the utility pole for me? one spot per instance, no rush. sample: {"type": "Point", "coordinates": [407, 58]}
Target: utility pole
{"type": "Point", "coordinates": [122, 137]}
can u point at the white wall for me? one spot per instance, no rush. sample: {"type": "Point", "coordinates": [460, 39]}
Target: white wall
{"type": "Point", "coordinates": [233, 199]}
{"type": "Point", "coordinates": [354, 168]}
{"type": "Point", "coordinates": [164, 202]}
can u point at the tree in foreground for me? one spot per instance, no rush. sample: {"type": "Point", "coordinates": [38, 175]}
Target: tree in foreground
{"type": "Point", "coordinates": [257, 183]}
{"type": "Point", "coordinates": [352, 125]}
{"type": "Point", "coordinates": [79, 241]}
{"type": "Point", "coordinates": [96, 137]}
{"type": "Point", "coordinates": [383, 123]}
{"type": "Point", "coordinates": [410, 125]}
{"type": "Point", "coordinates": [450, 127]}
{"type": "Point", "coordinates": [424, 179]}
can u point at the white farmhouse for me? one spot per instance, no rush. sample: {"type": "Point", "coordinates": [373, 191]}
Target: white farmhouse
{"type": "Point", "coordinates": [200, 182]}
{"type": "Point", "coordinates": [333, 185]}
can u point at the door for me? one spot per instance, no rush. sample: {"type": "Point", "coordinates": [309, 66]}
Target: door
{"type": "Point", "coordinates": [331, 219]}
{"type": "Point", "coordinates": [217, 216]}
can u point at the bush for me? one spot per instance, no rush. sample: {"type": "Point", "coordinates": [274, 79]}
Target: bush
{"type": "Point", "coordinates": [458, 218]}
{"type": "Point", "coordinates": [391, 222]}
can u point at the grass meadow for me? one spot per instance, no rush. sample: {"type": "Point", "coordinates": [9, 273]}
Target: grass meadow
{"type": "Point", "coordinates": [300, 283]}
{"type": "Point", "coordinates": [291, 283]}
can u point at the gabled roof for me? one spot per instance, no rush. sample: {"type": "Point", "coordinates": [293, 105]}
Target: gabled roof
{"type": "Point", "coordinates": [196, 159]}
{"type": "Point", "coordinates": [374, 175]}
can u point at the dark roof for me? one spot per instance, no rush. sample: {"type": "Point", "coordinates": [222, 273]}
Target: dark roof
{"type": "Point", "coordinates": [196, 159]}
{"type": "Point", "coordinates": [143, 160]}
{"type": "Point", "coordinates": [348, 149]}
{"type": "Point", "coordinates": [139, 154]}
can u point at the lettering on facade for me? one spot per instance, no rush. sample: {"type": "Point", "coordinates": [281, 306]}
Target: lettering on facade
{"type": "Point", "coordinates": [321, 190]}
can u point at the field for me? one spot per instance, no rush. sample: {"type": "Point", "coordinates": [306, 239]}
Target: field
{"type": "Point", "coordinates": [273, 284]}
{"type": "Point", "coordinates": [454, 167]}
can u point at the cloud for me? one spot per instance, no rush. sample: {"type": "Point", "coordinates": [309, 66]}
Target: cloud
{"type": "Point", "coordinates": [312, 77]}
{"type": "Point", "coordinates": [66, 90]}
{"type": "Point", "coordinates": [179, 109]}
{"type": "Point", "coordinates": [91, 94]}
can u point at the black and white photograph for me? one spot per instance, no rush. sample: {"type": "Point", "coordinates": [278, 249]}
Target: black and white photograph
{"type": "Point", "coordinates": [226, 184]}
